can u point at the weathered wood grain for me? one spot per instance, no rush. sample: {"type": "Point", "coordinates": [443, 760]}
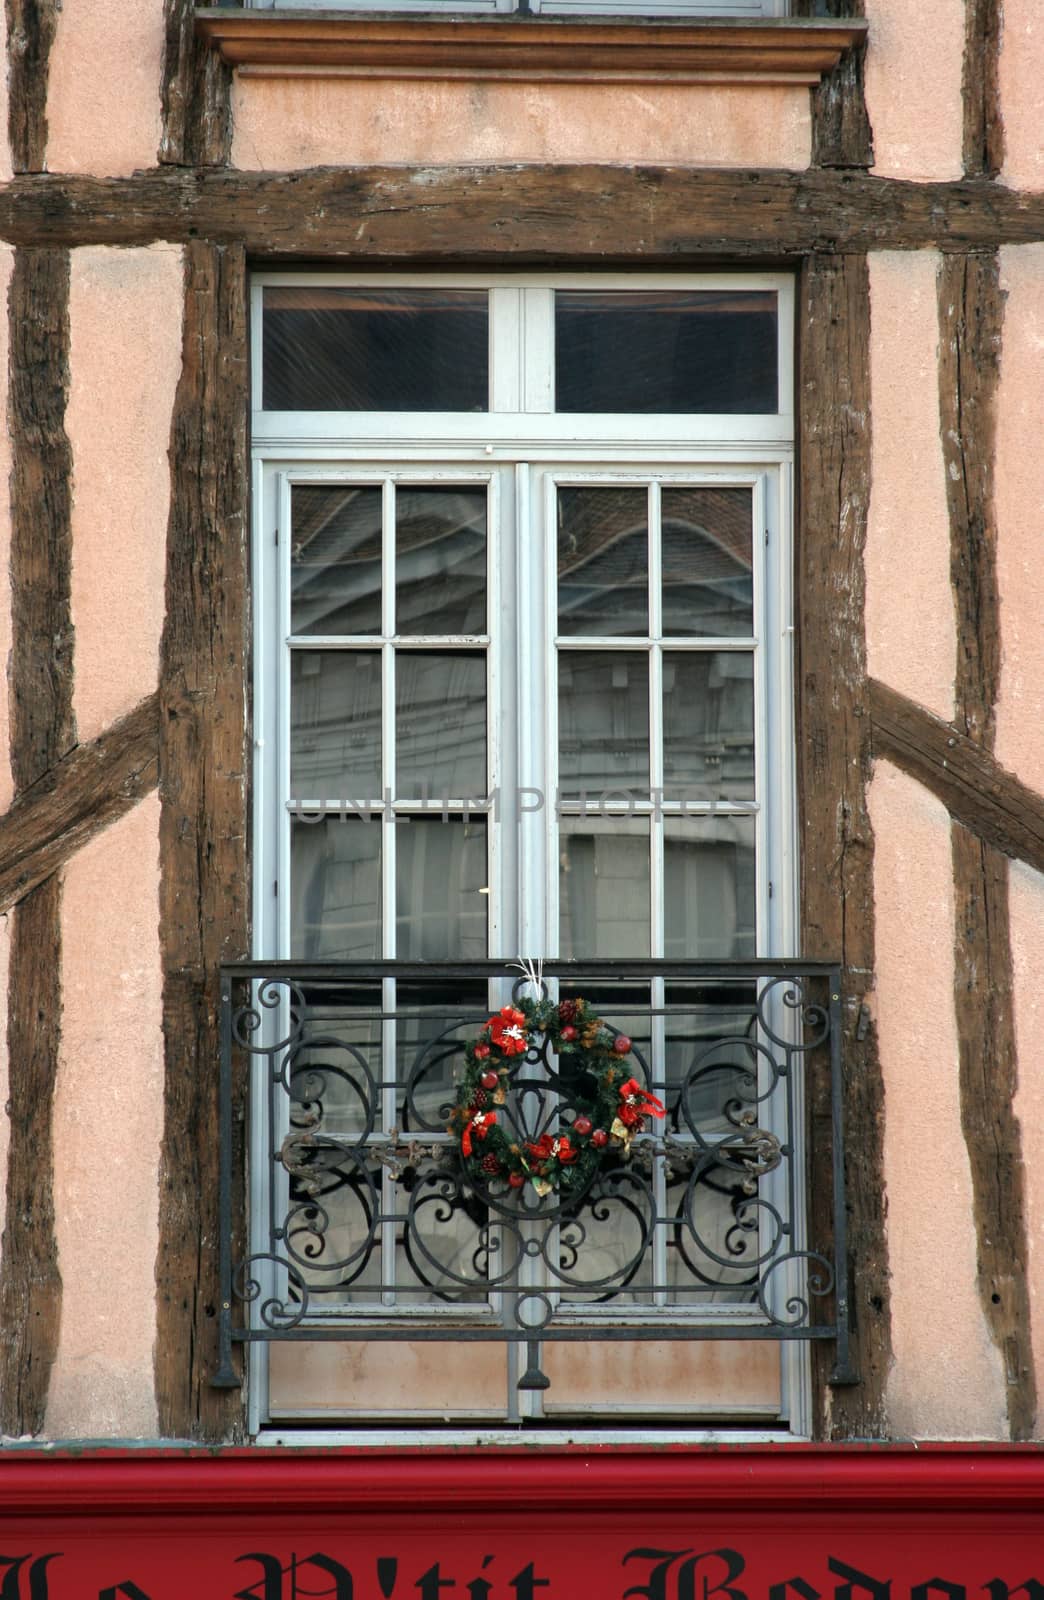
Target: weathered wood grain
{"type": "Point", "coordinates": [83, 793]}
{"type": "Point", "coordinates": [589, 214]}
{"type": "Point", "coordinates": [31, 27]}
{"type": "Point", "coordinates": [841, 133]}
{"type": "Point", "coordinates": [970, 323]}
{"type": "Point", "coordinates": [983, 133]}
{"type": "Point", "coordinates": [970, 317]}
{"type": "Point", "coordinates": [195, 94]}
{"type": "Point", "coordinates": [204, 877]}
{"type": "Point", "coordinates": [834, 754]}
{"type": "Point", "coordinates": [989, 800]}
{"type": "Point", "coordinates": [40, 682]}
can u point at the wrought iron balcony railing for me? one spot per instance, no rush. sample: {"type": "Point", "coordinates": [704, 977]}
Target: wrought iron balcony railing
{"type": "Point", "coordinates": [367, 1223]}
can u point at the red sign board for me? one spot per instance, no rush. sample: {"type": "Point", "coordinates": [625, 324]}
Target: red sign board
{"type": "Point", "coordinates": [795, 1523]}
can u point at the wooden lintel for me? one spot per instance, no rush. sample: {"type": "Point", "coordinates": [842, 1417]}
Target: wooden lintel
{"type": "Point", "coordinates": [590, 50]}
{"type": "Point", "coordinates": [585, 214]}
{"type": "Point", "coordinates": [988, 799]}
{"type": "Point", "coordinates": [86, 791]}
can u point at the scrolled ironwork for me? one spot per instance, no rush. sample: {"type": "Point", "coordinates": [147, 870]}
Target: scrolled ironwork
{"type": "Point", "coordinates": [372, 1223]}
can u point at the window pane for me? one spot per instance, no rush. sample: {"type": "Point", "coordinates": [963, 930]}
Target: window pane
{"type": "Point", "coordinates": [335, 889]}
{"type": "Point", "coordinates": [603, 561]}
{"type": "Point", "coordinates": [440, 722]}
{"type": "Point", "coordinates": [707, 562]}
{"type": "Point", "coordinates": [330, 349]}
{"type": "Point", "coordinates": [440, 560]}
{"type": "Point", "coordinates": [708, 725]}
{"type": "Point", "coordinates": [603, 886]}
{"type": "Point", "coordinates": [669, 352]}
{"type": "Point", "coordinates": [335, 563]}
{"type": "Point", "coordinates": [335, 725]}
{"type": "Point", "coordinates": [709, 902]}
{"type": "Point", "coordinates": [442, 898]}
{"type": "Point", "coordinates": [603, 722]}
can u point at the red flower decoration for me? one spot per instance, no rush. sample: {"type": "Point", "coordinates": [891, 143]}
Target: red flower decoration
{"type": "Point", "coordinates": [507, 1031]}
{"type": "Point", "coordinates": [551, 1147]}
{"type": "Point", "coordinates": [637, 1103]}
{"type": "Point", "coordinates": [479, 1125]}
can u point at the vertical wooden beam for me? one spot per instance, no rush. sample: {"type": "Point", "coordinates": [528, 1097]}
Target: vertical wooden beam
{"type": "Point", "coordinates": [834, 758]}
{"type": "Point", "coordinates": [31, 27]}
{"type": "Point", "coordinates": [970, 322]}
{"type": "Point", "coordinates": [205, 881]}
{"type": "Point", "coordinates": [980, 91]}
{"type": "Point", "coordinates": [196, 95]}
{"type": "Point", "coordinates": [841, 132]}
{"type": "Point", "coordinates": [42, 731]}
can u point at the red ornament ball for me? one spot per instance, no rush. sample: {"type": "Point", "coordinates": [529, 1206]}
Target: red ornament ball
{"type": "Point", "coordinates": [569, 1032]}
{"type": "Point", "coordinates": [488, 1080]}
{"type": "Point", "coordinates": [621, 1044]}
{"type": "Point", "coordinates": [516, 1179]}
{"type": "Point", "coordinates": [582, 1125]}
{"type": "Point", "coordinates": [599, 1138]}
{"type": "Point", "coordinates": [481, 1052]}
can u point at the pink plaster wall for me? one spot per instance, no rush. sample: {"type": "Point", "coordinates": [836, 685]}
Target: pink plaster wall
{"type": "Point", "coordinates": [914, 60]}
{"type": "Point", "coordinates": [1022, 93]}
{"type": "Point", "coordinates": [103, 93]}
{"type": "Point", "coordinates": [911, 642]}
{"type": "Point", "coordinates": [6, 781]}
{"type": "Point", "coordinates": [302, 122]}
{"type": "Point", "coordinates": [1026, 907]}
{"type": "Point", "coordinates": [1019, 497]}
{"type": "Point", "coordinates": [125, 321]}
{"type": "Point", "coordinates": [108, 1118]}
{"type": "Point", "coordinates": [947, 1380]}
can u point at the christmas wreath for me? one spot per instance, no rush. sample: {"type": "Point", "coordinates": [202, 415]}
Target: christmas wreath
{"type": "Point", "coordinates": [608, 1105]}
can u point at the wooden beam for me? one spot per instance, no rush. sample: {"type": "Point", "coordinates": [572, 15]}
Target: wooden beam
{"type": "Point", "coordinates": [980, 89]}
{"type": "Point", "coordinates": [31, 27]}
{"type": "Point", "coordinates": [584, 214]}
{"type": "Point", "coordinates": [204, 893]}
{"type": "Point", "coordinates": [196, 94]}
{"type": "Point", "coordinates": [989, 800]}
{"type": "Point", "coordinates": [42, 731]}
{"type": "Point", "coordinates": [971, 309]}
{"type": "Point", "coordinates": [841, 133]}
{"type": "Point", "coordinates": [837, 897]}
{"type": "Point", "coordinates": [86, 791]}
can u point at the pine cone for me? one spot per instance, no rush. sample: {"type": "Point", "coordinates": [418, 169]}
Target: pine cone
{"type": "Point", "coordinates": [567, 1011]}
{"type": "Point", "coordinates": [490, 1164]}
{"type": "Point", "coordinates": [479, 1100]}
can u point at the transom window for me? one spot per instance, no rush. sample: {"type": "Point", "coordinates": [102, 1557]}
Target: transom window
{"type": "Point", "coordinates": [523, 689]}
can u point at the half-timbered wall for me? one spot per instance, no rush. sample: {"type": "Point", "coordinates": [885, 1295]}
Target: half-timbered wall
{"type": "Point", "coordinates": [138, 178]}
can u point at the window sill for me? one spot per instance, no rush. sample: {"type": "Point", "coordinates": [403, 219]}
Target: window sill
{"type": "Point", "coordinates": [596, 50]}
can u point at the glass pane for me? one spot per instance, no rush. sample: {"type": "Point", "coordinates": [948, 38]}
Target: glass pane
{"type": "Point", "coordinates": [603, 561]}
{"type": "Point", "coordinates": [440, 724]}
{"type": "Point", "coordinates": [668, 352]}
{"type": "Point", "coordinates": [708, 585]}
{"type": "Point", "coordinates": [440, 560]}
{"type": "Point", "coordinates": [603, 886]}
{"type": "Point", "coordinates": [335, 890]}
{"type": "Point", "coordinates": [603, 723]}
{"type": "Point", "coordinates": [340, 349]}
{"type": "Point", "coordinates": [335, 563]}
{"type": "Point", "coordinates": [335, 725]}
{"type": "Point", "coordinates": [709, 894]}
{"type": "Point", "coordinates": [708, 725]}
{"type": "Point", "coordinates": [443, 889]}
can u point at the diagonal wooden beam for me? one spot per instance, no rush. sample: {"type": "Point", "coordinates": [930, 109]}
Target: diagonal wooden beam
{"type": "Point", "coordinates": [83, 793]}
{"type": "Point", "coordinates": [989, 800]}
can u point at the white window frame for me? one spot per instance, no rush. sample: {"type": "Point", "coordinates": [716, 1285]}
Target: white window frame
{"type": "Point", "coordinates": [521, 434]}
